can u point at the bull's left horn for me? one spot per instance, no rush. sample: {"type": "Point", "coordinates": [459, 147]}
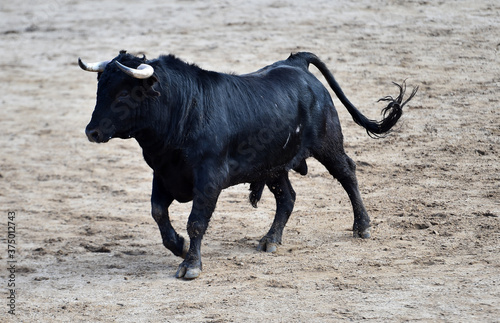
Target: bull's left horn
{"type": "Point", "coordinates": [143, 71]}
{"type": "Point", "coordinates": [93, 67]}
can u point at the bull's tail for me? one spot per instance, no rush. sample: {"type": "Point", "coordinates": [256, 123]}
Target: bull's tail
{"type": "Point", "coordinates": [374, 128]}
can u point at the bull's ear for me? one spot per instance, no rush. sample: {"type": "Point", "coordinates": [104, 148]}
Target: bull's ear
{"type": "Point", "coordinates": [150, 82]}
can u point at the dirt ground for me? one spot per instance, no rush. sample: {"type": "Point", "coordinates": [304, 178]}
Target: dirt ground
{"type": "Point", "coordinates": [87, 248]}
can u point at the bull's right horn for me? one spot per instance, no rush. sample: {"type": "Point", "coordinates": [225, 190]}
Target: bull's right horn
{"type": "Point", "coordinates": [93, 67]}
{"type": "Point", "coordinates": [143, 71]}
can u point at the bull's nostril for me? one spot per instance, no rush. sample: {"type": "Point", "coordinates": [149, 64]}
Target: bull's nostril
{"type": "Point", "coordinates": [93, 135]}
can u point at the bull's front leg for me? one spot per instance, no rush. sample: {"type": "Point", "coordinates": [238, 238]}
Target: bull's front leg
{"type": "Point", "coordinates": [204, 201]}
{"type": "Point", "coordinates": [160, 201]}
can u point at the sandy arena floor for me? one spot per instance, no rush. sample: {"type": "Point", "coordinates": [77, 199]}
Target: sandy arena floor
{"type": "Point", "coordinates": [87, 248]}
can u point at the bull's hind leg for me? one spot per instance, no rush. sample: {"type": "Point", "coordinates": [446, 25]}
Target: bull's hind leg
{"type": "Point", "coordinates": [285, 199]}
{"type": "Point", "coordinates": [160, 201]}
{"type": "Point", "coordinates": [343, 168]}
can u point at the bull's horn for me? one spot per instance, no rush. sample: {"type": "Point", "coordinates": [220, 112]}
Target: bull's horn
{"type": "Point", "coordinates": [93, 67]}
{"type": "Point", "coordinates": [143, 71]}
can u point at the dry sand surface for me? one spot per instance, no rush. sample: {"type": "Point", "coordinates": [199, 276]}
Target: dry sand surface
{"type": "Point", "coordinates": [87, 248]}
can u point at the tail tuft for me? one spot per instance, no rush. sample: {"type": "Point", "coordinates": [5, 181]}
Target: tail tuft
{"type": "Point", "coordinates": [392, 112]}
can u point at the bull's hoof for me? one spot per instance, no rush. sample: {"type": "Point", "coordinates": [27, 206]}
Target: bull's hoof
{"type": "Point", "coordinates": [267, 245]}
{"type": "Point", "coordinates": [188, 273]}
{"type": "Point", "coordinates": [364, 234]}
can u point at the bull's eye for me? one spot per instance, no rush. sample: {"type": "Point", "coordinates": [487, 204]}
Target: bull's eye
{"type": "Point", "coordinates": [123, 94]}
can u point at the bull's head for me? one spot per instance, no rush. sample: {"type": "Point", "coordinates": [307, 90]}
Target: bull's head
{"type": "Point", "coordinates": [125, 84]}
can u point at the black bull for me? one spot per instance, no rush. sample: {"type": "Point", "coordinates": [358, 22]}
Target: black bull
{"type": "Point", "coordinates": [203, 131]}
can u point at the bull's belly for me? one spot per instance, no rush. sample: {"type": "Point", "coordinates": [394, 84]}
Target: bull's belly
{"type": "Point", "coordinates": [255, 167]}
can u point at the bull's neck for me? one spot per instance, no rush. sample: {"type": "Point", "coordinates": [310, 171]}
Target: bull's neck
{"type": "Point", "coordinates": [169, 124]}
{"type": "Point", "coordinates": [150, 141]}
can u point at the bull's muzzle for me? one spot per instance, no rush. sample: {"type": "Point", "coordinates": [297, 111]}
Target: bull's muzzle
{"type": "Point", "coordinates": [95, 135]}
{"type": "Point", "coordinates": [100, 131]}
